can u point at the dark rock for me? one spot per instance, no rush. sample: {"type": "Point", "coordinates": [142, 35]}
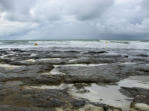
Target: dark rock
{"type": "Point", "coordinates": [22, 97]}
{"type": "Point", "coordinates": [96, 52]}
{"type": "Point", "coordinates": [37, 98]}
{"type": "Point", "coordinates": [35, 69]}
{"type": "Point", "coordinates": [143, 55]}
{"type": "Point", "coordinates": [17, 108]}
{"type": "Point", "coordinates": [102, 73]}
{"type": "Point", "coordinates": [78, 103]}
{"type": "Point", "coordinates": [140, 95]}
{"type": "Point", "coordinates": [45, 79]}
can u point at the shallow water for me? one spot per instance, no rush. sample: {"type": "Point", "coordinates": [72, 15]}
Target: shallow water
{"type": "Point", "coordinates": [110, 94]}
{"type": "Point", "coordinates": [102, 93]}
{"type": "Point", "coordinates": [135, 81]}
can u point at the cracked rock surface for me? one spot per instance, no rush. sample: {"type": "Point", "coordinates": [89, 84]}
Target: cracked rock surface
{"type": "Point", "coordinates": [41, 80]}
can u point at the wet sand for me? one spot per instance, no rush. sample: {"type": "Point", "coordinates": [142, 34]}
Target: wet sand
{"type": "Point", "coordinates": [74, 79]}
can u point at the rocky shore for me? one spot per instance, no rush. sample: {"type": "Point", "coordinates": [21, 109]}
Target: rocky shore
{"type": "Point", "coordinates": [72, 79]}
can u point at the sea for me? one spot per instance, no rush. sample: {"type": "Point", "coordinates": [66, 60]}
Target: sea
{"type": "Point", "coordinates": [112, 44]}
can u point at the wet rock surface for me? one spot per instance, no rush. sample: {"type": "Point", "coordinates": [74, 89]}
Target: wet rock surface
{"type": "Point", "coordinates": [141, 97]}
{"type": "Point", "coordinates": [20, 69]}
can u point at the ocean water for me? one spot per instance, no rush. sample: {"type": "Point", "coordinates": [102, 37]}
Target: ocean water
{"type": "Point", "coordinates": [113, 44]}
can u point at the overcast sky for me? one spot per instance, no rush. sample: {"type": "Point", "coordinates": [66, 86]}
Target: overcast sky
{"type": "Point", "coordinates": [74, 19]}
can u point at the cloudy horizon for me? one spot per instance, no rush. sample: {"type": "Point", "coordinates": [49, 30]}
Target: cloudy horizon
{"type": "Point", "coordinates": [74, 19]}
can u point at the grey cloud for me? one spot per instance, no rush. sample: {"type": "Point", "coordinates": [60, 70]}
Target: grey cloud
{"type": "Point", "coordinates": [91, 9]}
{"type": "Point", "coordinates": [137, 36]}
{"type": "Point", "coordinates": [81, 30]}
{"type": "Point", "coordinates": [5, 4]}
{"type": "Point", "coordinates": [145, 8]}
{"type": "Point", "coordinates": [117, 19]}
{"type": "Point", "coordinates": [145, 4]}
{"type": "Point", "coordinates": [50, 10]}
{"type": "Point", "coordinates": [17, 10]}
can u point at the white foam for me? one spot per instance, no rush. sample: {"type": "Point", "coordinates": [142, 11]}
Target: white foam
{"type": "Point", "coordinates": [81, 44]}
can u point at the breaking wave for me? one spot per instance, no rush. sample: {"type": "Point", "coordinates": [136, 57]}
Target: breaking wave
{"type": "Point", "coordinates": [76, 44]}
